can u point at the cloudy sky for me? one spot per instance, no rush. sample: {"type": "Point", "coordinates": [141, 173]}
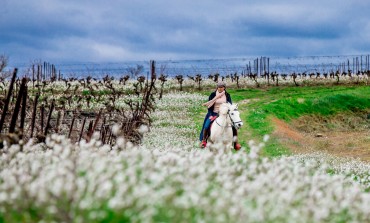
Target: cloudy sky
{"type": "Point", "coordinates": [112, 31]}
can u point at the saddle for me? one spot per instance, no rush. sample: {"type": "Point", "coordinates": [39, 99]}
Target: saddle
{"type": "Point", "coordinates": [213, 118]}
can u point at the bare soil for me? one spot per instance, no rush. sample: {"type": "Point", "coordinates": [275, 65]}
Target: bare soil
{"type": "Point", "coordinates": [346, 135]}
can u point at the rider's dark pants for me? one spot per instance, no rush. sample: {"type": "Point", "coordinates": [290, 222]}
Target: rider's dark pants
{"type": "Point", "coordinates": [207, 124]}
{"type": "Point", "coordinates": [235, 132]}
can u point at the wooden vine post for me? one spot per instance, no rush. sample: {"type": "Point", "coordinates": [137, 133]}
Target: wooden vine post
{"type": "Point", "coordinates": [7, 100]}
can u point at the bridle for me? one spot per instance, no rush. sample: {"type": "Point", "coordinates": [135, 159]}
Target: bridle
{"type": "Point", "coordinates": [232, 121]}
{"type": "Point", "coordinates": [233, 124]}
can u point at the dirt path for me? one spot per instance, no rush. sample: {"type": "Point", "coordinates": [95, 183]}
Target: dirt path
{"type": "Point", "coordinates": [342, 143]}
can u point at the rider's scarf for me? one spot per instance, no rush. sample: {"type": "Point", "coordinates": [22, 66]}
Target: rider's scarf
{"type": "Point", "coordinates": [218, 96]}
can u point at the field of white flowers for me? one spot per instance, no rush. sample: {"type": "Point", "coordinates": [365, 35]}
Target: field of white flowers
{"type": "Point", "coordinates": [168, 179]}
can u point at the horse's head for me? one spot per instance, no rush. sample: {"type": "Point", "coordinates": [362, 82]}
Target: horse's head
{"type": "Point", "coordinates": [235, 116]}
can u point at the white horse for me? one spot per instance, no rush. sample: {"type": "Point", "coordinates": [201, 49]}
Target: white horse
{"type": "Point", "coordinates": [221, 130]}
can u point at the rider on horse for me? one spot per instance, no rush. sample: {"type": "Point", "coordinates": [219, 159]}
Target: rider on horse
{"type": "Point", "coordinates": [215, 100]}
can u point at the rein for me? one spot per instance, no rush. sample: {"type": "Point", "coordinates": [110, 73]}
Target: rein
{"type": "Point", "coordinates": [223, 126]}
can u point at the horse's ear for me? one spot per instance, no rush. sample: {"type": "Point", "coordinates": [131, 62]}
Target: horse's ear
{"type": "Point", "coordinates": [236, 106]}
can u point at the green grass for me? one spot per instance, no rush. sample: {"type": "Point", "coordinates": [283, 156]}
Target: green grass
{"type": "Point", "coordinates": [288, 103]}
{"type": "Point", "coordinates": [324, 105]}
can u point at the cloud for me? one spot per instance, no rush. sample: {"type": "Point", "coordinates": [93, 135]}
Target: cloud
{"type": "Point", "coordinates": [141, 30]}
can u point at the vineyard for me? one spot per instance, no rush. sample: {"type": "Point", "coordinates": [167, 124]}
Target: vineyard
{"type": "Point", "coordinates": [125, 149]}
{"type": "Point", "coordinates": [77, 108]}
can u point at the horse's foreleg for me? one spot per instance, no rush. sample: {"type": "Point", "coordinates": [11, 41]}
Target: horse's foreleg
{"type": "Point", "coordinates": [213, 135]}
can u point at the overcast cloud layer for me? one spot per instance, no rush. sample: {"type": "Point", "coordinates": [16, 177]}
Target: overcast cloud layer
{"type": "Point", "coordinates": [112, 31]}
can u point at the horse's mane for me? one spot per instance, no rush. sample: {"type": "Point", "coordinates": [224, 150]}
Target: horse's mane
{"type": "Point", "coordinates": [224, 108]}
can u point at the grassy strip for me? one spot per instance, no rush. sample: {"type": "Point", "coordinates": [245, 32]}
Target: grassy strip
{"type": "Point", "coordinates": [293, 107]}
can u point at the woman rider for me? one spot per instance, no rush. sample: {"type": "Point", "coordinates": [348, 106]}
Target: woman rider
{"type": "Point", "coordinates": [215, 100]}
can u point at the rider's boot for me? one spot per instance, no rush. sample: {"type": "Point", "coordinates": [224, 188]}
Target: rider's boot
{"type": "Point", "coordinates": [203, 144]}
{"type": "Point", "coordinates": [237, 146]}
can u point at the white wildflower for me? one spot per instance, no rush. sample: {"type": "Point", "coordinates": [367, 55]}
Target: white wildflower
{"type": "Point", "coordinates": [266, 138]}
{"type": "Point", "coordinates": [143, 129]}
{"type": "Point", "coordinates": [116, 129]}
